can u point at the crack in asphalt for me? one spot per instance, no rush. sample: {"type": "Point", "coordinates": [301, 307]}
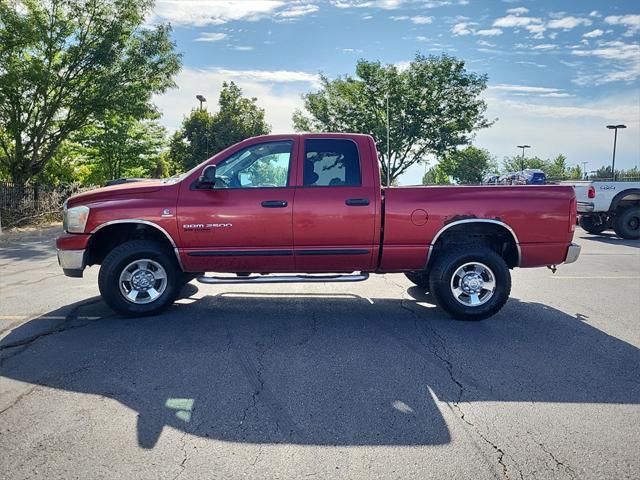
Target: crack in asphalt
{"type": "Point", "coordinates": [558, 462]}
{"type": "Point", "coordinates": [19, 398]}
{"type": "Point", "coordinates": [454, 406]}
{"type": "Point", "coordinates": [66, 324]}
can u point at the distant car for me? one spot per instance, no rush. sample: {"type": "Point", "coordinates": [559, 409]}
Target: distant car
{"type": "Point", "coordinates": [491, 180]}
{"type": "Point", "coordinates": [524, 177]}
{"type": "Point", "coordinates": [534, 177]}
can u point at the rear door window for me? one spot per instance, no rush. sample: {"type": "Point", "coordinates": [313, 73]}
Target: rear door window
{"type": "Point", "coordinates": [331, 162]}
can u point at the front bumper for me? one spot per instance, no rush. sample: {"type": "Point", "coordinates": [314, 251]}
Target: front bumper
{"type": "Point", "coordinates": [72, 262]}
{"type": "Point", "coordinates": [573, 252]}
{"type": "Point", "coordinates": [585, 207]}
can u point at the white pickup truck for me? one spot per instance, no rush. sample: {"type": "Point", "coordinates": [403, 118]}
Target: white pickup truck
{"type": "Point", "coordinates": [607, 204]}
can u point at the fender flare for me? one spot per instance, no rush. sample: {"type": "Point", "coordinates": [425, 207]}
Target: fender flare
{"type": "Point", "coordinates": [143, 222]}
{"type": "Point", "coordinates": [620, 196]}
{"type": "Point", "coordinates": [477, 220]}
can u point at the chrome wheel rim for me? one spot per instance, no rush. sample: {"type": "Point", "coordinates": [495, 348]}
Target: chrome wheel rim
{"type": "Point", "coordinates": [143, 281]}
{"type": "Point", "coordinates": [473, 284]}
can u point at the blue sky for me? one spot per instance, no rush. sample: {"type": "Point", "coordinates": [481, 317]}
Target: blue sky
{"type": "Point", "coordinates": [559, 71]}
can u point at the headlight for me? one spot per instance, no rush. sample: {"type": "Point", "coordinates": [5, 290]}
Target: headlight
{"type": "Point", "coordinates": [75, 219]}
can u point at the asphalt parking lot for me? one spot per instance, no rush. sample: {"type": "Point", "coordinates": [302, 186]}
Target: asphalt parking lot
{"type": "Point", "coordinates": [366, 380]}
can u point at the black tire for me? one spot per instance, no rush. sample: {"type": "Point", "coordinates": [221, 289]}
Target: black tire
{"type": "Point", "coordinates": [419, 278]}
{"type": "Point", "coordinates": [593, 224]}
{"type": "Point", "coordinates": [442, 272]}
{"type": "Point", "coordinates": [123, 255]}
{"type": "Point", "coordinates": [627, 223]}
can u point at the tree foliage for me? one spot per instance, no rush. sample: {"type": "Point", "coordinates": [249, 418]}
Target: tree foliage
{"type": "Point", "coordinates": [204, 134]}
{"type": "Point", "coordinates": [434, 106]}
{"type": "Point", "coordinates": [556, 168]}
{"type": "Point", "coordinates": [468, 166]}
{"type": "Point", "coordinates": [65, 63]}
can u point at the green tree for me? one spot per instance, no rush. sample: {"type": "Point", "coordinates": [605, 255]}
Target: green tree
{"type": "Point", "coordinates": [122, 146]}
{"type": "Point", "coordinates": [434, 106]}
{"type": "Point", "coordinates": [436, 176]}
{"type": "Point", "coordinates": [516, 164]}
{"type": "Point", "coordinates": [203, 134]}
{"type": "Point", "coordinates": [66, 62]}
{"type": "Point", "coordinates": [468, 166]}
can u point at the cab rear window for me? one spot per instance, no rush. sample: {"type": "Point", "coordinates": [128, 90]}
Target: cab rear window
{"type": "Point", "coordinates": [331, 163]}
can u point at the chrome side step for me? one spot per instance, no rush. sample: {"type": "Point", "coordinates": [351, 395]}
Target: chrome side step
{"type": "Point", "coordinates": [283, 279]}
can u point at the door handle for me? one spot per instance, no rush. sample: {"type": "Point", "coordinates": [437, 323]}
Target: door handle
{"type": "Point", "coordinates": [357, 202]}
{"type": "Point", "coordinates": [274, 203]}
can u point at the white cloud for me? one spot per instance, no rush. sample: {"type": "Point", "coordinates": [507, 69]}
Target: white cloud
{"type": "Point", "coordinates": [630, 21]}
{"type": "Point", "coordinates": [211, 12]}
{"type": "Point", "coordinates": [545, 46]}
{"type": "Point", "coordinates": [537, 31]}
{"type": "Point", "coordinates": [211, 37]}
{"type": "Point", "coordinates": [242, 48]}
{"type": "Point", "coordinates": [593, 33]}
{"type": "Point", "coordinates": [567, 23]}
{"type": "Point", "coordinates": [351, 50]}
{"type": "Point", "coordinates": [421, 20]}
{"type": "Point", "coordinates": [384, 4]}
{"type": "Point", "coordinates": [461, 29]}
{"type": "Point", "coordinates": [505, 87]}
{"type": "Point", "coordinates": [484, 43]}
{"type": "Point", "coordinates": [518, 10]}
{"type": "Point", "coordinates": [515, 21]}
{"type": "Point", "coordinates": [298, 11]}
{"type": "Point", "coordinates": [615, 50]}
{"type": "Point", "coordinates": [595, 13]}
{"type": "Point", "coordinates": [490, 32]}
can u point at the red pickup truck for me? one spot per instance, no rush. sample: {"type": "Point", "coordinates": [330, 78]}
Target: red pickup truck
{"type": "Point", "coordinates": [312, 204]}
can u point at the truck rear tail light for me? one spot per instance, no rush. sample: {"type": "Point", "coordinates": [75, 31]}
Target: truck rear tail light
{"type": "Point", "coordinates": [573, 214]}
{"type": "Point", "coordinates": [591, 193]}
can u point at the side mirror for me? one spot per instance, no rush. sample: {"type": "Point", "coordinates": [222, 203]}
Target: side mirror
{"type": "Point", "coordinates": [207, 179]}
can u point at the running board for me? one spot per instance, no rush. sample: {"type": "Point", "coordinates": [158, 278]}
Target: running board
{"type": "Point", "coordinates": [283, 279]}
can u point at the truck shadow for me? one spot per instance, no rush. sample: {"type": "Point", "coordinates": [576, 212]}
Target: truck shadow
{"type": "Point", "coordinates": [332, 369]}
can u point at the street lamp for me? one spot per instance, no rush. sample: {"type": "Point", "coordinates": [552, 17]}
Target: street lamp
{"type": "Point", "coordinates": [201, 99]}
{"type": "Point", "coordinates": [615, 139]}
{"type": "Point", "coordinates": [522, 161]}
{"type": "Point", "coordinates": [388, 149]}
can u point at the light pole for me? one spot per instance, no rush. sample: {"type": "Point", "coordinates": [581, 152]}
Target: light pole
{"type": "Point", "coordinates": [388, 148]}
{"type": "Point", "coordinates": [201, 99]}
{"type": "Point", "coordinates": [615, 139]}
{"type": "Point", "coordinates": [584, 170]}
{"type": "Point", "coordinates": [522, 160]}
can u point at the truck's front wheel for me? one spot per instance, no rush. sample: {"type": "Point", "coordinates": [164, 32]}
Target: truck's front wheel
{"type": "Point", "coordinates": [139, 278]}
{"type": "Point", "coordinates": [470, 283]}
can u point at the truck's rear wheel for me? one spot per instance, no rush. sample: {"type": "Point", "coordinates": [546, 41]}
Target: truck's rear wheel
{"type": "Point", "coordinates": [139, 278]}
{"type": "Point", "coordinates": [627, 223]}
{"type": "Point", "coordinates": [419, 278]}
{"type": "Point", "coordinates": [470, 283]}
{"type": "Point", "coordinates": [594, 224]}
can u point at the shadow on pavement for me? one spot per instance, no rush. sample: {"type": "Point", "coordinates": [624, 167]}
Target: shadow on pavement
{"type": "Point", "coordinates": [609, 238]}
{"type": "Point", "coordinates": [334, 369]}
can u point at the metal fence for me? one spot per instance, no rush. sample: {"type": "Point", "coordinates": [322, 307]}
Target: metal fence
{"type": "Point", "coordinates": [33, 203]}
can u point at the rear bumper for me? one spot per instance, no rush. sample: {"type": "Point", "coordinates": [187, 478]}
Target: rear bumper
{"type": "Point", "coordinates": [573, 252]}
{"type": "Point", "coordinates": [585, 207]}
{"type": "Point", "coordinates": [72, 262]}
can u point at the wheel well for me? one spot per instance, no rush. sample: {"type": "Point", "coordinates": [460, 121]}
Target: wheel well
{"type": "Point", "coordinates": [491, 235]}
{"type": "Point", "coordinates": [625, 199]}
{"type": "Point", "coordinates": [109, 237]}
